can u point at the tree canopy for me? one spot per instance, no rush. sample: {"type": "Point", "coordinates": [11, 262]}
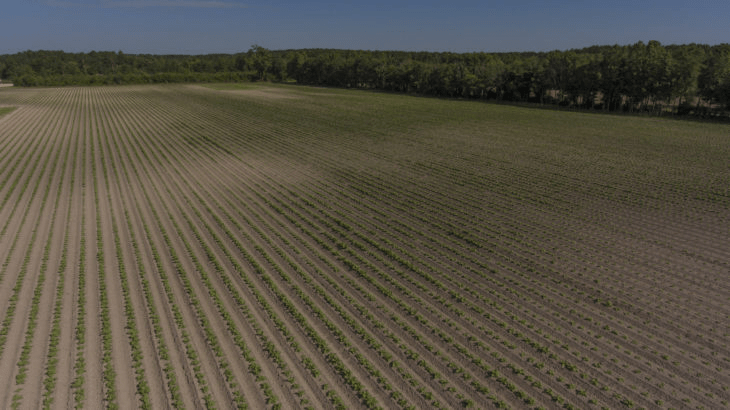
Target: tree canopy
{"type": "Point", "coordinates": [691, 78]}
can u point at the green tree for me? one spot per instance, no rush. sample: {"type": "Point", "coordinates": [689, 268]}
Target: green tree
{"type": "Point", "coordinates": [659, 64]}
{"type": "Point", "coordinates": [584, 83]}
{"type": "Point", "coordinates": [558, 72]}
{"type": "Point", "coordinates": [278, 67]}
{"type": "Point", "coordinates": [714, 79]}
{"type": "Point", "coordinates": [685, 71]}
{"type": "Point", "coordinates": [612, 79]}
{"type": "Point", "coordinates": [260, 60]}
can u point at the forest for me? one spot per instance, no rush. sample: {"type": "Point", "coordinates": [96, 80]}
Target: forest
{"type": "Point", "coordinates": [691, 79]}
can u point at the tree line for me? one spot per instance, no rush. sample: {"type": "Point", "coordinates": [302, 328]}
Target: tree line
{"type": "Point", "coordinates": [684, 79]}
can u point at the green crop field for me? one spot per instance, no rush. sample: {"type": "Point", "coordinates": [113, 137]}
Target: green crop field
{"type": "Point", "coordinates": [6, 110]}
{"type": "Point", "coordinates": [281, 246]}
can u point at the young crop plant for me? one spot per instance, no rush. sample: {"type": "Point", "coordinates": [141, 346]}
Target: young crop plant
{"type": "Point", "coordinates": [109, 375]}
{"type": "Point", "coordinates": [356, 385]}
{"type": "Point", "coordinates": [6, 110]}
{"type": "Point", "coordinates": [24, 359]}
{"type": "Point", "coordinates": [80, 331]}
{"type": "Point", "coordinates": [321, 344]}
{"type": "Point", "coordinates": [294, 252]}
{"type": "Point", "coordinates": [190, 351]}
{"type": "Point", "coordinates": [14, 298]}
{"type": "Point", "coordinates": [449, 340]}
{"type": "Point", "coordinates": [321, 292]}
{"type": "Point", "coordinates": [424, 362]}
{"type": "Point", "coordinates": [212, 339]}
{"type": "Point", "coordinates": [24, 217]}
{"type": "Point", "coordinates": [163, 349]}
{"type": "Point", "coordinates": [50, 376]}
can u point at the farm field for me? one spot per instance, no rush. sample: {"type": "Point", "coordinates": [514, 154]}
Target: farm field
{"type": "Point", "coordinates": [272, 246]}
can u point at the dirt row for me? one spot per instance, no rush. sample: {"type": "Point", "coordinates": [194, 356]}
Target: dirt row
{"type": "Point", "coordinates": [203, 223]}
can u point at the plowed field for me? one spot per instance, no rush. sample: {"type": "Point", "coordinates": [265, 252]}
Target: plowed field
{"type": "Point", "coordinates": [284, 247]}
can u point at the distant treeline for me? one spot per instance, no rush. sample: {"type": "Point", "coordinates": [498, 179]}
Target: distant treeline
{"type": "Point", "coordinates": [685, 79]}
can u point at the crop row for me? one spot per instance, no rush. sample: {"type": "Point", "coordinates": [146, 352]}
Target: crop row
{"type": "Point", "coordinates": [317, 251]}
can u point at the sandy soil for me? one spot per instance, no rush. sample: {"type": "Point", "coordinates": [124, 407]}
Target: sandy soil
{"type": "Point", "coordinates": [436, 264]}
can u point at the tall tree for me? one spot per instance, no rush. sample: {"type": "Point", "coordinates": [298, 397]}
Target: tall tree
{"type": "Point", "coordinates": [261, 60]}
{"type": "Point", "coordinates": [714, 79]}
{"type": "Point", "coordinates": [687, 64]}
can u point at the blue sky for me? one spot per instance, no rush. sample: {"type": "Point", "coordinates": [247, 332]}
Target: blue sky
{"type": "Point", "coordinates": [230, 26]}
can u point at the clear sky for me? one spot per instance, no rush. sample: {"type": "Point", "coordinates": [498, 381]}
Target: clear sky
{"type": "Point", "coordinates": [230, 26]}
